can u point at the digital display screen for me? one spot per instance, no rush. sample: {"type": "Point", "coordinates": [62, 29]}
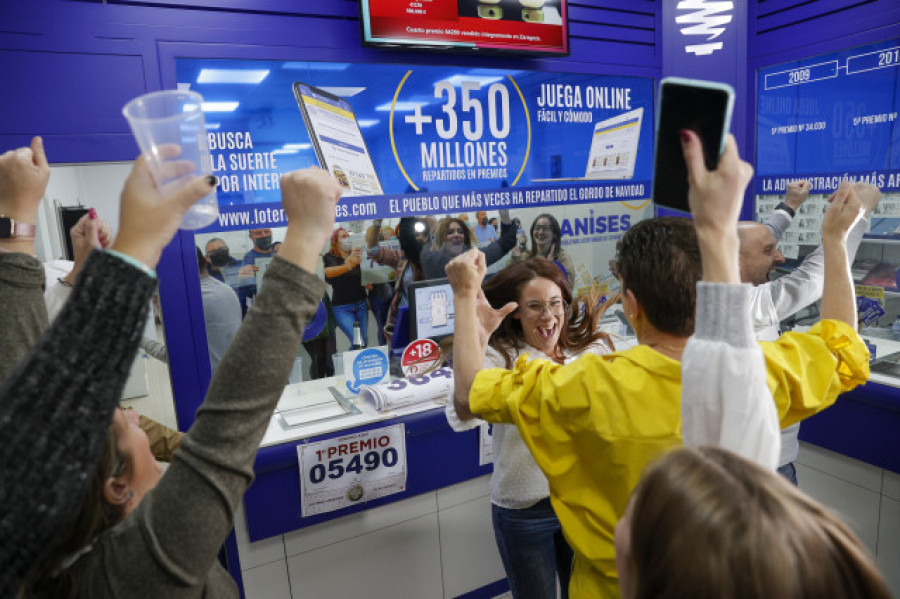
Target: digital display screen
{"type": "Point", "coordinates": [431, 309]}
{"type": "Point", "coordinates": [828, 118]}
{"type": "Point", "coordinates": [338, 141]}
{"type": "Point", "coordinates": [517, 26]}
{"type": "Point", "coordinates": [834, 113]}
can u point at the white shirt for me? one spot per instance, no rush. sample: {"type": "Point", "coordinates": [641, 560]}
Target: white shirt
{"type": "Point", "coordinates": [776, 300]}
{"type": "Point", "coordinates": [725, 400]}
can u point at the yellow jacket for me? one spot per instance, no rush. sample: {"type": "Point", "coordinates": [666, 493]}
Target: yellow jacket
{"type": "Point", "coordinates": [594, 424]}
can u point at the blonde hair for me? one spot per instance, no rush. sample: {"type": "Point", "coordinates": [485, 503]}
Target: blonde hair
{"type": "Point", "coordinates": [708, 523]}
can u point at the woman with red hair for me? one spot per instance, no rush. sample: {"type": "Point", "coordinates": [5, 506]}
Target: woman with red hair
{"type": "Point", "coordinates": [343, 273]}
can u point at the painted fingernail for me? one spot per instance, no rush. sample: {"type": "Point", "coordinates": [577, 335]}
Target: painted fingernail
{"type": "Point", "coordinates": [685, 136]}
{"type": "Point", "coordinates": [92, 214]}
{"type": "Point", "coordinates": [212, 180]}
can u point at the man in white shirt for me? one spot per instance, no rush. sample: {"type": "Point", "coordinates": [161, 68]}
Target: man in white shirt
{"type": "Point", "coordinates": [773, 301]}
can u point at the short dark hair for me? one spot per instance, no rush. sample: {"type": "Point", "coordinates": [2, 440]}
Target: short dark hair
{"type": "Point", "coordinates": [201, 261]}
{"type": "Point", "coordinates": [659, 261]}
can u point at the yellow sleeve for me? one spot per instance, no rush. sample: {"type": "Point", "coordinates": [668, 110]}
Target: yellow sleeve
{"type": "Point", "coordinates": [500, 395]}
{"type": "Point", "coordinates": [807, 371]}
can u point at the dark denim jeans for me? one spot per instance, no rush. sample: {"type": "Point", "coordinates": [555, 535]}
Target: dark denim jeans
{"type": "Point", "coordinates": [533, 551]}
{"type": "Point", "coordinates": [789, 472]}
{"type": "Point", "coordinates": [345, 314]}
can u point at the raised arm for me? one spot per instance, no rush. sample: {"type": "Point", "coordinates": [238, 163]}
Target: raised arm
{"type": "Point", "coordinates": [725, 400]}
{"type": "Point", "coordinates": [24, 173]}
{"type": "Point", "coordinates": [507, 241]}
{"type": "Point", "coordinates": [475, 320]}
{"type": "Point", "coordinates": [838, 297]}
{"type": "Point", "coordinates": [191, 510]}
{"type": "Point", "coordinates": [795, 195]}
{"type": "Point", "coordinates": [776, 300]}
{"type": "Point", "coordinates": [56, 407]}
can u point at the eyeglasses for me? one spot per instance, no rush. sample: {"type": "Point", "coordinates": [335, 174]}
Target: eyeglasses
{"type": "Point", "coordinates": [542, 228]}
{"type": "Point", "coordinates": [536, 307]}
{"type": "Point", "coordinates": [454, 231]}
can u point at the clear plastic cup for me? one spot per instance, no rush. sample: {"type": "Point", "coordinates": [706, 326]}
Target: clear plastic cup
{"type": "Point", "coordinates": [171, 132]}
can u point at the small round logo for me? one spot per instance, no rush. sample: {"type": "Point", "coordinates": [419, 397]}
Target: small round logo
{"type": "Point", "coordinates": [355, 492]}
{"type": "Point", "coordinates": [420, 356]}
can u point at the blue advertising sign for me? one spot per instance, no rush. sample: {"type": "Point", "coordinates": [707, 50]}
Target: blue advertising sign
{"type": "Point", "coordinates": [829, 118]}
{"type": "Point", "coordinates": [420, 139]}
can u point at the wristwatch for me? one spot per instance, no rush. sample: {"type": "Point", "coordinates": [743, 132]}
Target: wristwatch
{"type": "Point", "coordinates": [786, 208]}
{"type": "Point", "coordinates": [10, 228]}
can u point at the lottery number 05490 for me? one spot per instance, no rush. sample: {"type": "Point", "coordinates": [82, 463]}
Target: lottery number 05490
{"type": "Point", "coordinates": [370, 460]}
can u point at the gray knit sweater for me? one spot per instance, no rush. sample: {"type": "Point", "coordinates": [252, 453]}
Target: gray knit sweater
{"type": "Point", "coordinates": [167, 547]}
{"type": "Point", "coordinates": [23, 314]}
{"type": "Point", "coordinates": [56, 405]}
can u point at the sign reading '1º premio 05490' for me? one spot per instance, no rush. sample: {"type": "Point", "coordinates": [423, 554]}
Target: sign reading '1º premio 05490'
{"type": "Point", "coordinates": [422, 139]}
{"type": "Point", "coordinates": [345, 471]}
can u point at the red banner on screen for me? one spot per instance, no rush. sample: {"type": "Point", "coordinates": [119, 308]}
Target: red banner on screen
{"type": "Point", "coordinates": [504, 24]}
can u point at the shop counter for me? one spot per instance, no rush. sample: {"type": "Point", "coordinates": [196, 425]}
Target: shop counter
{"type": "Point", "coordinates": [436, 457]}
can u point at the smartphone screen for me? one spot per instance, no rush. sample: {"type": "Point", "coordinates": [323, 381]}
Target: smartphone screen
{"type": "Point", "coordinates": [338, 140]}
{"type": "Point", "coordinates": [701, 106]}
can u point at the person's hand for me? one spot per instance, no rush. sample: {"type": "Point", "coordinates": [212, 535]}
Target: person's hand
{"type": "Point", "coordinates": [248, 271]}
{"type": "Point", "coordinates": [353, 260]}
{"type": "Point", "coordinates": [715, 197]}
{"type": "Point", "coordinates": [868, 195]}
{"type": "Point", "coordinates": [89, 233]}
{"type": "Point", "coordinates": [147, 218]}
{"type": "Point", "coordinates": [551, 252]}
{"type": "Point", "coordinates": [24, 173]}
{"type": "Point", "coordinates": [504, 216]}
{"type": "Point", "coordinates": [309, 197]}
{"type": "Point", "coordinates": [489, 318]}
{"type": "Point", "coordinates": [796, 193]}
{"type": "Point", "coordinates": [843, 210]}
{"type": "Point", "coordinates": [466, 272]}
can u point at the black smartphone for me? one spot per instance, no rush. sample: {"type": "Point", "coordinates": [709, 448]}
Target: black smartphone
{"type": "Point", "coordinates": [701, 106]}
{"type": "Point", "coordinates": [338, 140]}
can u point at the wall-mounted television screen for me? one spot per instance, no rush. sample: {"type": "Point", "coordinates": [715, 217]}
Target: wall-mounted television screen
{"type": "Point", "coordinates": [513, 26]}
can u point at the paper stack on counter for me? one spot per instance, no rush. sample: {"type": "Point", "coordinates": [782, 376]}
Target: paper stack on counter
{"type": "Point", "coordinates": [433, 386]}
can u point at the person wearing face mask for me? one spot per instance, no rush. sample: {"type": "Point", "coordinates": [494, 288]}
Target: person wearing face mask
{"type": "Point", "coordinates": [343, 273]}
{"type": "Point", "coordinates": [546, 243]}
{"type": "Point", "coordinates": [484, 230]}
{"type": "Point", "coordinates": [453, 237]}
{"type": "Point", "coordinates": [225, 268]}
{"type": "Point", "coordinates": [262, 248]}
{"type": "Point", "coordinates": [547, 325]}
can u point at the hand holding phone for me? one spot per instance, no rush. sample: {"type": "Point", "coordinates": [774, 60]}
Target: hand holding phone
{"type": "Point", "coordinates": [703, 107]}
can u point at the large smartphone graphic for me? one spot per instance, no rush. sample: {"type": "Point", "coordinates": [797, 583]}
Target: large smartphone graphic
{"type": "Point", "coordinates": [614, 147]}
{"type": "Point", "coordinates": [338, 140]}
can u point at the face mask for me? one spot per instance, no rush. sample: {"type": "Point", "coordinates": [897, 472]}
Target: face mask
{"type": "Point", "coordinates": [263, 243]}
{"type": "Point", "coordinates": [345, 244]}
{"type": "Point", "coordinates": [484, 222]}
{"type": "Point", "coordinates": [219, 258]}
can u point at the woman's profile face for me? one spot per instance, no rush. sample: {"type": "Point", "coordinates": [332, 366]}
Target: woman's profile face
{"type": "Point", "coordinates": [542, 313]}
{"type": "Point", "coordinates": [143, 469]}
